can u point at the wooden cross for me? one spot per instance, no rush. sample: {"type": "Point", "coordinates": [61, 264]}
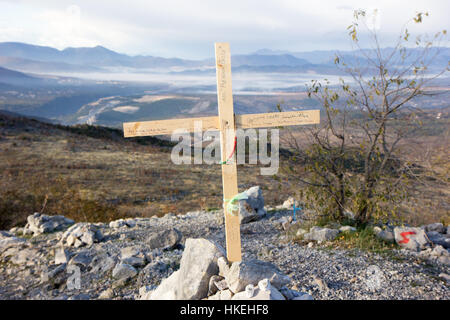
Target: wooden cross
{"type": "Point", "coordinates": [226, 122]}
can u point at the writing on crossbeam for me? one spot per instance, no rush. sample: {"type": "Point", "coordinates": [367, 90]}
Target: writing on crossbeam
{"type": "Point", "coordinates": [243, 121]}
{"type": "Point", "coordinates": [162, 127]}
{"type": "Point", "coordinates": [276, 119]}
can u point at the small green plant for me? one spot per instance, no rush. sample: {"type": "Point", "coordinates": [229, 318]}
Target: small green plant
{"type": "Point", "coordinates": [363, 239]}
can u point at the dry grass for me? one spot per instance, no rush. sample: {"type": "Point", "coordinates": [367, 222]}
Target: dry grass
{"type": "Point", "coordinates": [91, 174]}
{"type": "Point", "coordinates": [100, 179]}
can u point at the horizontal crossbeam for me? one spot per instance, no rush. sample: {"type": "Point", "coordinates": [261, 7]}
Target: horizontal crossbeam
{"type": "Point", "coordinates": [243, 121]}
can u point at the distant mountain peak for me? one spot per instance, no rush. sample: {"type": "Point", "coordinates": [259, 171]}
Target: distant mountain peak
{"type": "Point", "coordinates": [8, 74]}
{"type": "Point", "coordinates": [97, 48]}
{"type": "Point", "coordinates": [99, 57]}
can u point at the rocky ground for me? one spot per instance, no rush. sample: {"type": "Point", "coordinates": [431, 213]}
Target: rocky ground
{"type": "Point", "coordinates": [53, 258]}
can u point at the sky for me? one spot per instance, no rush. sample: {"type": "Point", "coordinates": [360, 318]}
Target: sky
{"type": "Point", "coordinates": [189, 28]}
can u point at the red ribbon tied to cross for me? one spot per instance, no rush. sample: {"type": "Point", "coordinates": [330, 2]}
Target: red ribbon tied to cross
{"type": "Point", "coordinates": [404, 236]}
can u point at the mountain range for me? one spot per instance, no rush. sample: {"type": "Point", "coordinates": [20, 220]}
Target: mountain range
{"type": "Point", "coordinates": [102, 57]}
{"type": "Point", "coordinates": [12, 77]}
{"type": "Point", "coordinates": [42, 59]}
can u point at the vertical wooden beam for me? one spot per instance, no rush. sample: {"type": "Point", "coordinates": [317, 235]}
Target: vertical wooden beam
{"type": "Point", "coordinates": [227, 134]}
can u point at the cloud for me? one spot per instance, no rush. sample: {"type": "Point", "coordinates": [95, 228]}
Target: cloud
{"type": "Point", "coordinates": [189, 28]}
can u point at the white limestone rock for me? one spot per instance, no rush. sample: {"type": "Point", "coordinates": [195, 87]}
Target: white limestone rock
{"type": "Point", "coordinates": [197, 265]}
{"type": "Point", "coordinates": [164, 240]}
{"type": "Point", "coordinates": [411, 238]}
{"type": "Point", "coordinates": [252, 208]}
{"type": "Point", "coordinates": [270, 294]}
{"type": "Point", "coordinates": [212, 287]}
{"type": "Point", "coordinates": [437, 227]}
{"type": "Point", "coordinates": [81, 234]}
{"type": "Point", "coordinates": [26, 256]}
{"type": "Point", "coordinates": [106, 294]}
{"type": "Point", "coordinates": [321, 234]}
{"type": "Point", "coordinates": [222, 295]}
{"type": "Point", "coordinates": [123, 271]}
{"type": "Point", "coordinates": [145, 292]}
{"type": "Point", "coordinates": [40, 223]}
{"type": "Point", "coordinates": [223, 265]}
{"type": "Point", "coordinates": [386, 235]}
{"type": "Point", "coordinates": [8, 241]}
{"type": "Point", "coordinates": [133, 256]}
{"type": "Point", "coordinates": [439, 238]}
{"type": "Point", "coordinates": [116, 224]}
{"type": "Point", "coordinates": [439, 251]}
{"type": "Point", "coordinates": [243, 273]}
{"type": "Point", "coordinates": [61, 255]}
{"type": "Point", "coordinates": [347, 229]}
{"type": "Point", "coordinates": [250, 290]}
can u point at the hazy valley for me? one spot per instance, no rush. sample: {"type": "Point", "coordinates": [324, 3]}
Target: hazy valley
{"type": "Point", "coordinates": [100, 86]}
